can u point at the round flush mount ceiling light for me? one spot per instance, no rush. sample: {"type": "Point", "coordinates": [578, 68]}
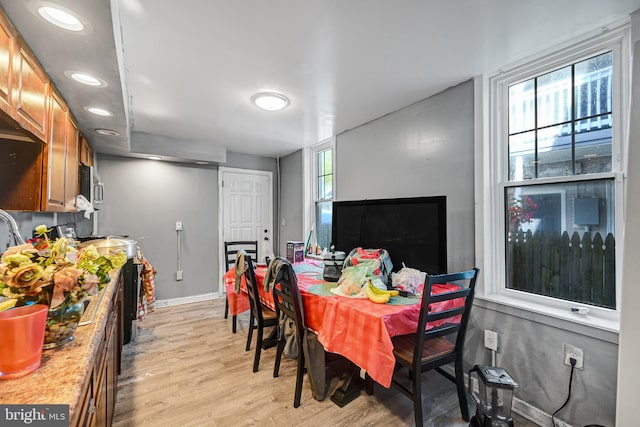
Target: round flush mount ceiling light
{"type": "Point", "coordinates": [85, 78]}
{"type": "Point", "coordinates": [99, 111]}
{"type": "Point", "coordinates": [61, 18]}
{"type": "Point", "coordinates": [107, 132]}
{"type": "Point", "coordinates": [270, 101]}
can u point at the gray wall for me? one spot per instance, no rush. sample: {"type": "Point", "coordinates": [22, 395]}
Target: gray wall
{"type": "Point", "coordinates": [428, 149]}
{"type": "Point", "coordinates": [291, 199]}
{"type": "Point", "coordinates": [425, 149]}
{"type": "Point", "coordinates": [145, 198]}
{"type": "Point", "coordinates": [27, 221]}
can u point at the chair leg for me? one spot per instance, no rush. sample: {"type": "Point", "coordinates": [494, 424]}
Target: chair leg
{"type": "Point", "coordinates": [256, 359]}
{"type": "Point", "coordinates": [299, 377]}
{"type": "Point", "coordinates": [250, 335]}
{"type": "Point", "coordinates": [234, 323]}
{"type": "Point", "coordinates": [226, 307]}
{"type": "Point", "coordinates": [462, 395]}
{"type": "Point", "coordinates": [417, 398]}
{"type": "Point", "coordinates": [279, 350]}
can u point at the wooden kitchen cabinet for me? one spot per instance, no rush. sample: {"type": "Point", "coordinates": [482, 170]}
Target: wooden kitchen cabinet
{"type": "Point", "coordinates": [61, 178]}
{"type": "Point", "coordinates": [7, 46]}
{"type": "Point", "coordinates": [86, 152]}
{"type": "Point", "coordinates": [99, 397]}
{"type": "Point", "coordinates": [55, 157]}
{"type": "Point", "coordinates": [30, 88]}
{"type": "Point", "coordinates": [72, 165]}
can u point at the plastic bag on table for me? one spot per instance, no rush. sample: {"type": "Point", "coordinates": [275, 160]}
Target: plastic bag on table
{"type": "Point", "coordinates": [409, 280]}
{"type": "Point", "coordinates": [351, 282]}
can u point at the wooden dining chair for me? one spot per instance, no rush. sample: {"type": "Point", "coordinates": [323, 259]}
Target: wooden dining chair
{"type": "Point", "coordinates": [431, 348]}
{"type": "Point", "coordinates": [288, 301]}
{"type": "Point", "coordinates": [230, 251]}
{"type": "Point", "coordinates": [260, 317]}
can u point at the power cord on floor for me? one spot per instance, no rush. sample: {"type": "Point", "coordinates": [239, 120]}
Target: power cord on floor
{"type": "Point", "coordinates": [573, 366]}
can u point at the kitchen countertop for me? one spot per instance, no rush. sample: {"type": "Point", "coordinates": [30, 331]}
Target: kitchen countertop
{"type": "Point", "coordinates": [65, 370]}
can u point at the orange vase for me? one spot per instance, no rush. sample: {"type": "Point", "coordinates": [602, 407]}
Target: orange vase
{"type": "Point", "coordinates": [21, 339]}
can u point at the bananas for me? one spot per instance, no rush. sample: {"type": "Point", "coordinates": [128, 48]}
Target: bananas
{"type": "Point", "coordinates": [377, 295]}
{"type": "Point", "coordinates": [5, 305]}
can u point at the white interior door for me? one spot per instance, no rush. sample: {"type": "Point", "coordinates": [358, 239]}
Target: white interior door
{"type": "Point", "coordinates": [246, 208]}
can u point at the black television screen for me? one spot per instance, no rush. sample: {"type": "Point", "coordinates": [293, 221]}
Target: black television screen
{"type": "Point", "coordinates": [413, 230]}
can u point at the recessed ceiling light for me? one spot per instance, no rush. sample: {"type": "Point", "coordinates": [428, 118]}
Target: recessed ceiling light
{"type": "Point", "coordinates": [270, 101]}
{"type": "Point", "coordinates": [107, 132]}
{"type": "Point", "coordinates": [61, 18]}
{"type": "Point", "coordinates": [154, 158]}
{"type": "Point", "coordinates": [85, 79]}
{"type": "Point", "coordinates": [99, 111]}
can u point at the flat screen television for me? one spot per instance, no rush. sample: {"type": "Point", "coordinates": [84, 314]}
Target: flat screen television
{"type": "Point", "coordinates": [413, 230]}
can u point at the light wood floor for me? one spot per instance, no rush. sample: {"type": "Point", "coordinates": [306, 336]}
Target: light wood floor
{"type": "Point", "coordinates": [186, 368]}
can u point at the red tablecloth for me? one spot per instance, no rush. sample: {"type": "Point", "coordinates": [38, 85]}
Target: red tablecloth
{"type": "Point", "coordinates": [358, 329]}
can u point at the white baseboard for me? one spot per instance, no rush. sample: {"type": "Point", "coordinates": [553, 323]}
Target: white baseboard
{"type": "Point", "coordinates": [187, 300]}
{"type": "Point", "coordinates": [535, 415]}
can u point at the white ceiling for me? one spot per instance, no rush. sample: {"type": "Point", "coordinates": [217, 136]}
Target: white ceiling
{"type": "Point", "coordinates": [181, 74]}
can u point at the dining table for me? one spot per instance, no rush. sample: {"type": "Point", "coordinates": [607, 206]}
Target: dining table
{"type": "Point", "coordinates": [355, 328]}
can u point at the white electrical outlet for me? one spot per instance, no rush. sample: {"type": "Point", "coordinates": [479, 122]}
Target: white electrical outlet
{"type": "Point", "coordinates": [491, 340]}
{"type": "Point", "coordinates": [178, 225]}
{"type": "Point", "coordinates": [573, 352]}
{"type": "Point", "coordinates": [179, 275]}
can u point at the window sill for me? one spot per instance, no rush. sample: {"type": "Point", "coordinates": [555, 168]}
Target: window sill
{"type": "Point", "coordinates": [588, 325]}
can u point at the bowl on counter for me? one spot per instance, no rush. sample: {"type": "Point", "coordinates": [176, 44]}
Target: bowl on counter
{"type": "Point", "coordinates": [110, 245]}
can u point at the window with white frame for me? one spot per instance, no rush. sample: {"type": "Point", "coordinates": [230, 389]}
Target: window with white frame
{"type": "Point", "coordinates": [556, 132]}
{"type": "Point", "coordinates": [323, 184]}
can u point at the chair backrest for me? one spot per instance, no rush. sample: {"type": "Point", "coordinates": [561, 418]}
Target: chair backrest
{"type": "Point", "coordinates": [252, 290]}
{"type": "Point", "coordinates": [452, 321]}
{"type": "Point", "coordinates": [287, 299]}
{"type": "Point", "coordinates": [232, 248]}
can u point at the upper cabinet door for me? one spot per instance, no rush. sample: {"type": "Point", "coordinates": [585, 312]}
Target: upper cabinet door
{"type": "Point", "coordinates": [30, 92]}
{"type": "Point", "coordinates": [71, 169]}
{"type": "Point", "coordinates": [7, 47]}
{"type": "Point", "coordinates": [56, 155]}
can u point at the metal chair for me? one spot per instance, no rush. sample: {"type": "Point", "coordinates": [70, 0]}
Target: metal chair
{"type": "Point", "coordinates": [230, 251]}
{"type": "Point", "coordinates": [432, 348]}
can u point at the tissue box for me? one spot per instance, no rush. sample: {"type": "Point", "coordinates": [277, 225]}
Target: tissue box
{"type": "Point", "coordinates": [295, 251]}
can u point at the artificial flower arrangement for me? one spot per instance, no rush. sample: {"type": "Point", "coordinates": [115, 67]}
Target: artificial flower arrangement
{"type": "Point", "coordinates": [54, 273]}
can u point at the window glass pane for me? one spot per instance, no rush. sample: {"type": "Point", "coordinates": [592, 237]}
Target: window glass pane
{"type": "Point", "coordinates": [522, 152]}
{"type": "Point", "coordinates": [593, 145]}
{"type": "Point", "coordinates": [593, 86]}
{"type": "Point", "coordinates": [521, 107]}
{"type": "Point", "coordinates": [554, 97]}
{"type": "Point", "coordinates": [324, 214]}
{"type": "Point", "coordinates": [554, 152]}
{"type": "Point", "coordinates": [321, 163]}
{"type": "Point", "coordinates": [560, 241]}
{"type": "Point", "coordinates": [328, 162]}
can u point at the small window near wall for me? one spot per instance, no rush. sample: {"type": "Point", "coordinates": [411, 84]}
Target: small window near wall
{"type": "Point", "coordinates": [323, 172]}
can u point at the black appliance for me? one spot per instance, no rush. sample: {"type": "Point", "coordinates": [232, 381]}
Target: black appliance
{"type": "Point", "coordinates": [131, 279]}
{"type": "Point", "coordinates": [492, 391]}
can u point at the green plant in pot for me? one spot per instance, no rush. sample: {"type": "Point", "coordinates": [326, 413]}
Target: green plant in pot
{"type": "Point", "coordinates": [54, 273]}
